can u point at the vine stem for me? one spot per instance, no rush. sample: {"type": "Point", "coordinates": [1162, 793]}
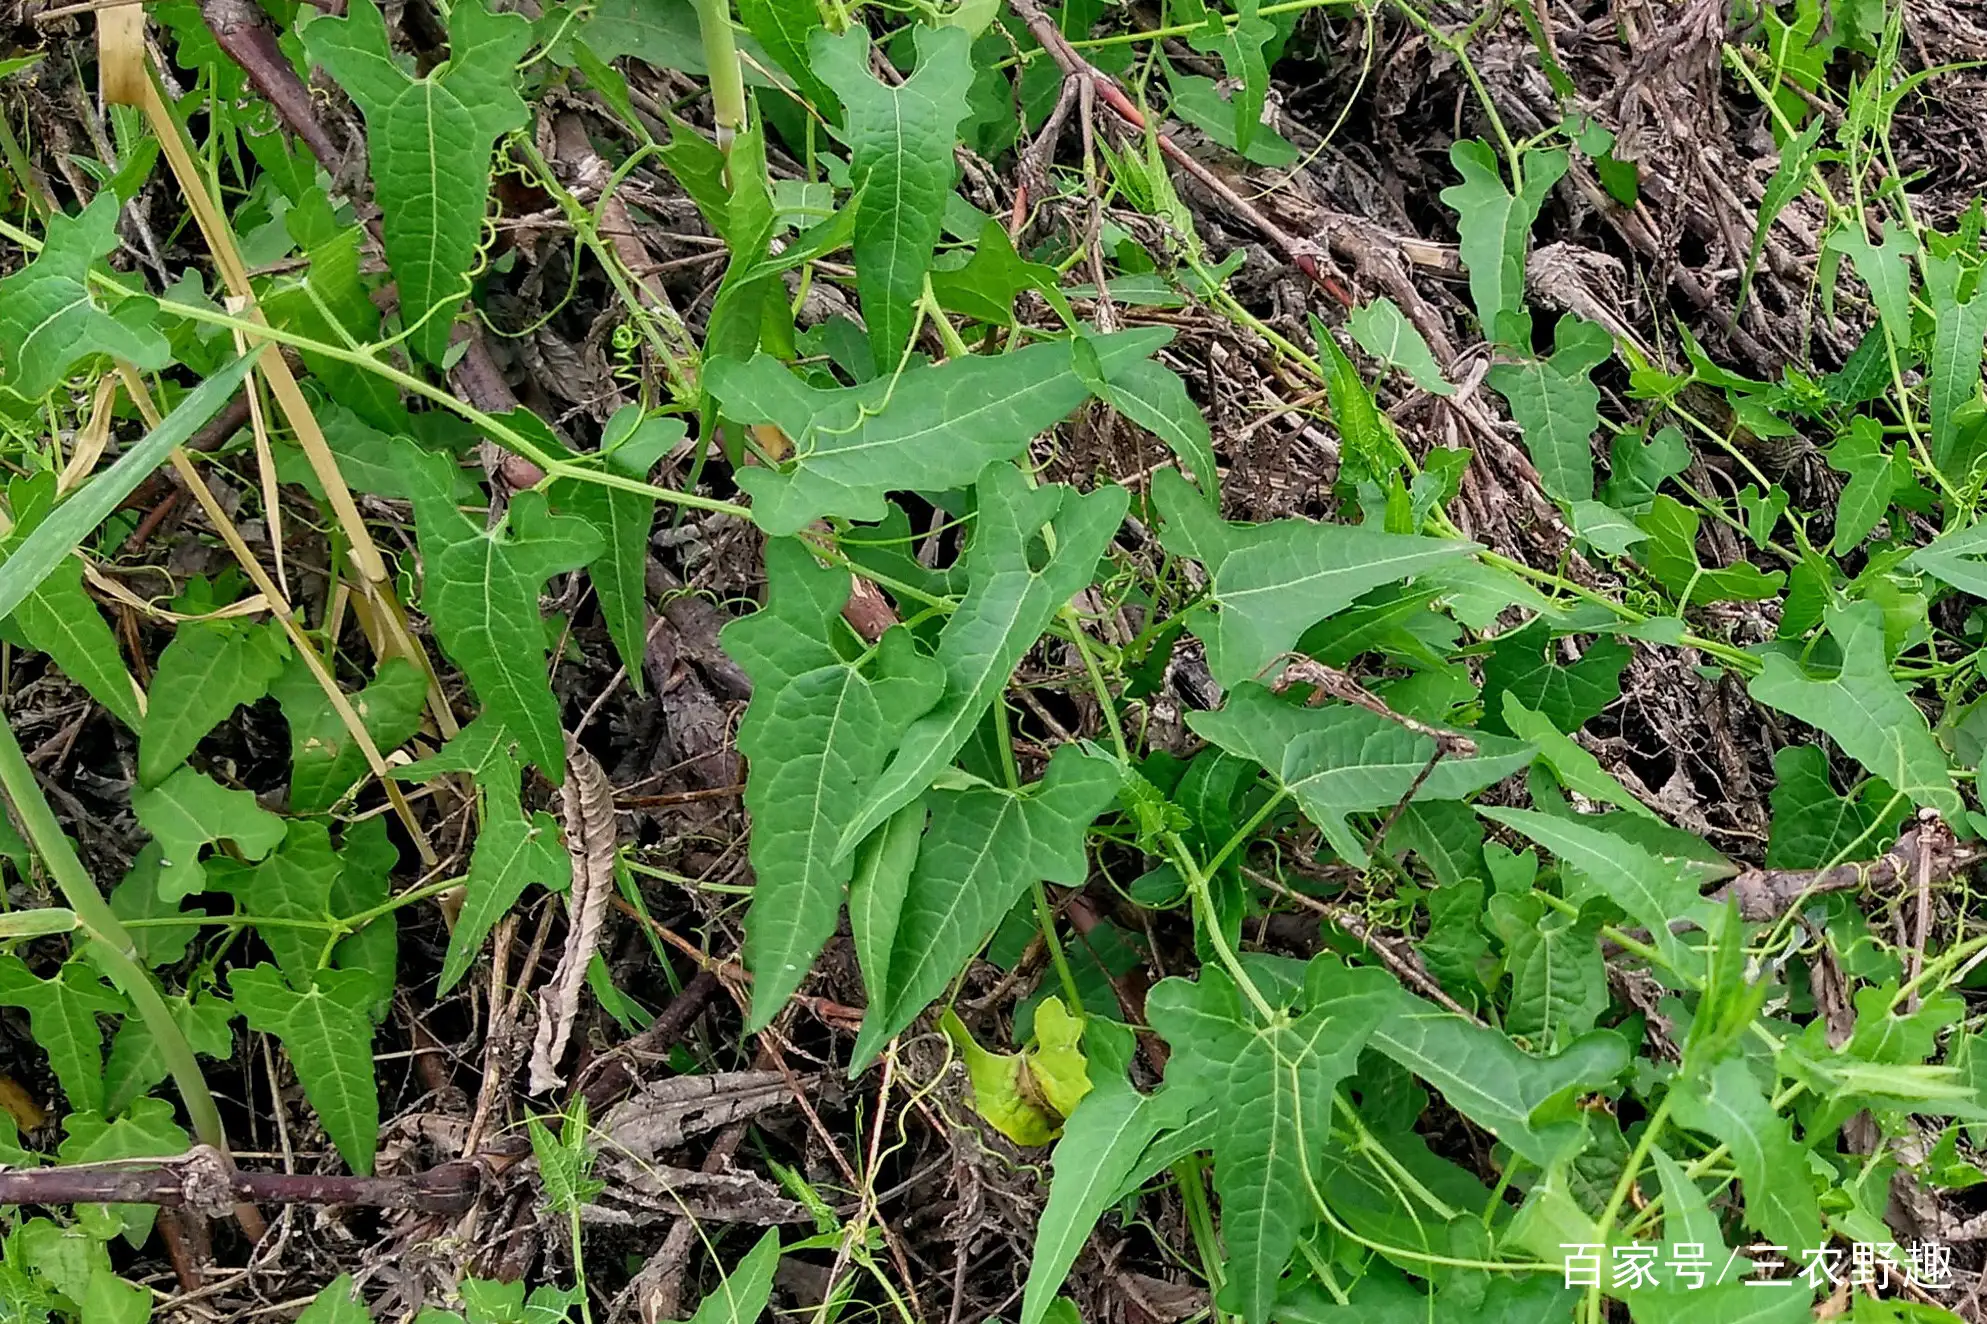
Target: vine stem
{"type": "Point", "coordinates": [1626, 1184]}
{"type": "Point", "coordinates": [1183, 859]}
{"type": "Point", "coordinates": [112, 948]}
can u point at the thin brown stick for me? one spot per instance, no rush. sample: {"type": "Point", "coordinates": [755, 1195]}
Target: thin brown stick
{"type": "Point", "coordinates": [1333, 683]}
{"type": "Point", "coordinates": [202, 1182]}
{"type": "Point", "coordinates": [1406, 968]}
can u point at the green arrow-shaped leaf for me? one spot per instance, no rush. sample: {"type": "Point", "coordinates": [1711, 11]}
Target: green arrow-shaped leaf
{"type": "Point", "coordinates": [48, 320]}
{"type": "Point", "coordinates": [329, 1037]}
{"type": "Point", "coordinates": [62, 1011]}
{"type": "Point", "coordinates": [189, 810]}
{"type": "Point", "coordinates": [931, 429]}
{"type": "Point", "coordinates": [480, 589]}
{"type": "Point", "coordinates": [1272, 582]}
{"type": "Point", "coordinates": [429, 140]}
{"type": "Point", "coordinates": [900, 155]}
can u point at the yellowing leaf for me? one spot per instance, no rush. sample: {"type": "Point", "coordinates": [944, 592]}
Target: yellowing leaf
{"type": "Point", "coordinates": [1026, 1095]}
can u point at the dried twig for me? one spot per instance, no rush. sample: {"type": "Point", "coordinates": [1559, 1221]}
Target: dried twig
{"type": "Point", "coordinates": [1333, 683]}
{"type": "Point", "coordinates": [202, 1181]}
{"type": "Point", "coordinates": [1927, 850]}
{"type": "Point", "coordinates": [589, 811]}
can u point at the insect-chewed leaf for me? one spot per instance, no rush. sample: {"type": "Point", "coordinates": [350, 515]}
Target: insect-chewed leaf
{"type": "Point", "coordinates": [57, 616]}
{"type": "Point", "coordinates": [1495, 226]}
{"type": "Point", "coordinates": [429, 140]}
{"type": "Point", "coordinates": [329, 1036]}
{"type": "Point", "coordinates": [815, 737]}
{"type": "Point", "coordinates": [1272, 582]}
{"type": "Point", "coordinates": [49, 321]}
{"type": "Point", "coordinates": [1341, 759]}
{"type": "Point", "coordinates": [1272, 1087]}
{"type": "Point", "coordinates": [932, 428]}
{"type": "Point", "coordinates": [984, 847]}
{"type": "Point", "coordinates": [512, 852]}
{"type": "Point", "coordinates": [1865, 710]}
{"type": "Point", "coordinates": [189, 810]}
{"type": "Point", "coordinates": [325, 760]}
{"type": "Point", "coordinates": [208, 670]}
{"type": "Point", "coordinates": [480, 589]}
{"type": "Point", "coordinates": [62, 1011]}
{"type": "Point", "coordinates": [1009, 602]}
{"type": "Point", "coordinates": [900, 155]}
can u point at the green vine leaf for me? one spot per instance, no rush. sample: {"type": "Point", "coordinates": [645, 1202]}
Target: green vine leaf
{"type": "Point", "coordinates": [325, 761]}
{"type": "Point", "coordinates": [513, 851]}
{"type": "Point", "coordinates": [480, 589]}
{"type": "Point", "coordinates": [1886, 269]}
{"type": "Point", "coordinates": [329, 1036]}
{"type": "Point", "coordinates": [784, 28]}
{"type": "Point", "coordinates": [630, 446]}
{"type": "Point", "coordinates": [136, 1063]}
{"type": "Point", "coordinates": [136, 896]}
{"type": "Point", "coordinates": [1009, 602]}
{"type": "Point", "coordinates": [815, 737]}
{"type": "Point", "coordinates": [1864, 710]}
{"type": "Point", "coordinates": [1522, 662]}
{"type": "Point", "coordinates": [1653, 890]}
{"type": "Point", "coordinates": [932, 428]}
{"type": "Point", "coordinates": [1670, 557]}
{"type": "Point", "coordinates": [1152, 395]}
{"type": "Point", "coordinates": [147, 1131]}
{"type": "Point", "coordinates": [338, 1303]}
{"type": "Point", "coordinates": [1812, 824]}
{"type": "Point", "coordinates": [984, 848]}
{"type": "Point", "coordinates": [429, 140]}
{"type": "Point", "coordinates": [1272, 582]}
{"type": "Point", "coordinates": [1559, 984]}
{"type": "Point", "coordinates": [58, 618]}
{"type": "Point", "coordinates": [366, 858]}
{"type": "Point", "coordinates": [1382, 330]}
{"type": "Point", "coordinates": [62, 1011]}
{"type": "Point", "coordinates": [190, 810]}
{"type": "Point", "coordinates": [50, 322]}
{"type": "Point", "coordinates": [293, 884]}
{"type": "Point", "coordinates": [1862, 457]}
{"type": "Point", "coordinates": [208, 670]}
{"type": "Point", "coordinates": [1557, 406]}
{"type": "Point", "coordinates": [1272, 1086]}
{"type": "Point", "coordinates": [1100, 1146]}
{"type": "Point", "coordinates": [900, 144]}
{"type": "Point", "coordinates": [1959, 329]}
{"type": "Point", "coordinates": [1773, 1170]}
{"type": "Point", "coordinates": [1340, 759]}
{"type": "Point", "coordinates": [1490, 1080]}
{"type": "Point", "coordinates": [1495, 228]}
